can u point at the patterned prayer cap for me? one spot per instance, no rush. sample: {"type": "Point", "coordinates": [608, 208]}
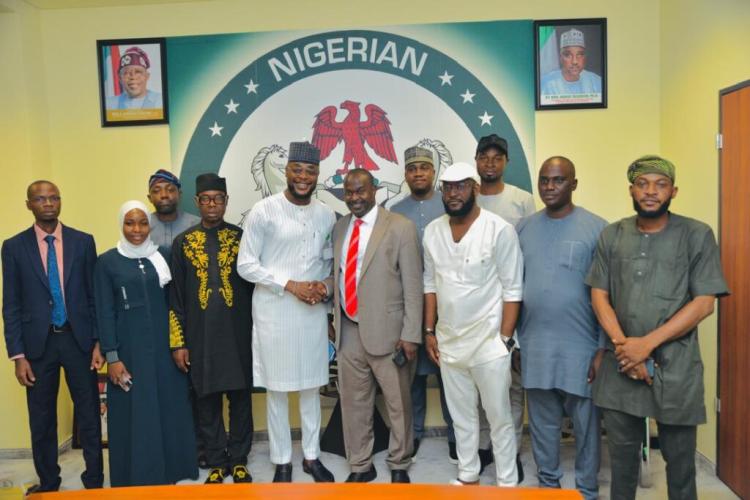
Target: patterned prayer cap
{"type": "Point", "coordinates": [162, 175]}
{"type": "Point", "coordinates": [135, 57]}
{"type": "Point", "coordinates": [304, 152]}
{"type": "Point", "coordinates": [416, 154]}
{"type": "Point", "coordinates": [572, 38]}
{"type": "Point", "coordinates": [651, 164]}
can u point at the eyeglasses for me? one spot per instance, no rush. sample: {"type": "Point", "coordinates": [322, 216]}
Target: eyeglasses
{"type": "Point", "coordinates": [218, 199]}
{"type": "Point", "coordinates": [43, 199]}
{"type": "Point", "coordinates": [449, 187]}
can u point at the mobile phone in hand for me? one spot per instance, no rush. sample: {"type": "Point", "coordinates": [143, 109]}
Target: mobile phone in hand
{"type": "Point", "coordinates": [399, 357]}
{"type": "Point", "coordinates": [126, 383]}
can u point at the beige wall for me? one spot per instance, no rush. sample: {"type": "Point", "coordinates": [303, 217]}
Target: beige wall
{"type": "Point", "coordinates": [703, 50]}
{"type": "Point", "coordinates": [54, 94]}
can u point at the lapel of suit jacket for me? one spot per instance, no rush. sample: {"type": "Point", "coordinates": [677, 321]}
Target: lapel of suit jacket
{"type": "Point", "coordinates": [29, 239]}
{"type": "Point", "coordinates": [68, 251]}
{"type": "Point", "coordinates": [381, 224]}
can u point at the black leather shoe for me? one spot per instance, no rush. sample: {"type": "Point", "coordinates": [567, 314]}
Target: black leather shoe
{"type": "Point", "coordinates": [362, 477]}
{"type": "Point", "coordinates": [519, 466]}
{"type": "Point", "coordinates": [400, 476]}
{"type": "Point", "coordinates": [485, 458]}
{"type": "Point", "coordinates": [37, 488]}
{"type": "Point", "coordinates": [318, 471]}
{"type": "Point", "coordinates": [283, 473]}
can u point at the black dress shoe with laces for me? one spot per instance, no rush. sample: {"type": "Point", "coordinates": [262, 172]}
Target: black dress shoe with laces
{"type": "Point", "coordinates": [283, 473]}
{"type": "Point", "coordinates": [362, 477]}
{"type": "Point", "coordinates": [317, 470]}
{"type": "Point", "coordinates": [400, 476]}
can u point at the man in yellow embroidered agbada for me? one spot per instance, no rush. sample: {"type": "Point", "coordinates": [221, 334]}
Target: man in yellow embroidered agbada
{"type": "Point", "coordinates": [210, 330]}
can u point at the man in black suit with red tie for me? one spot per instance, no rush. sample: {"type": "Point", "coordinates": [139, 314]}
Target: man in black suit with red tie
{"type": "Point", "coordinates": [49, 322]}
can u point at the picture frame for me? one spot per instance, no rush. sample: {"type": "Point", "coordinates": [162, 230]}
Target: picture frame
{"type": "Point", "coordinates": [133, 81]}
{"type": "Point", "coordinates": [570, 61]}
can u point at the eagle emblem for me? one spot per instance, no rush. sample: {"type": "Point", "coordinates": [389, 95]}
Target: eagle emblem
{"type": "Point", "coordinates": [375, 132]}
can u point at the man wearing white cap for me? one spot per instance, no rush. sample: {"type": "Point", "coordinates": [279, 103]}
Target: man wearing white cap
{"type": "Point", "coordinates": [473, 283]}
{"type": "Point", "coordinates": [572, 77]}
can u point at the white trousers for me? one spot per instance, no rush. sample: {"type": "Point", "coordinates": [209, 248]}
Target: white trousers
{"type": "Point", "coordinates": [463, 385]}
{"type": "Point", "coordinates": [279, 433]}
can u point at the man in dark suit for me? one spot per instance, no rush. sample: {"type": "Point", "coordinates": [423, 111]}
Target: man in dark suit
{"type": "Point", "coordinates": [48, 311]}
{"type": "Point", "coordinates": [378, 319]}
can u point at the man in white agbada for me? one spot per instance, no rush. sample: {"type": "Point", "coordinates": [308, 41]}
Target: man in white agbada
{"type": "Point", "coordinates": [286, 251]}
{"type": "Point", "coordinates": [473, 279]}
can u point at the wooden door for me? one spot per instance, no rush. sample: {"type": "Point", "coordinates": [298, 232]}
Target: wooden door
{"type": "Point", "coordinates": [734, 311]}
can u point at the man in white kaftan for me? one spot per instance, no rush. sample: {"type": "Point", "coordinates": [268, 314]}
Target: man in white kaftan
{"type": "Point", "coordinates": [286, 251]}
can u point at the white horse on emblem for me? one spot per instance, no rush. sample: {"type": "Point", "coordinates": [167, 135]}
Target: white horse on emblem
{"type": "Point", "coordinates": [441, 156]}
{"type": "Point", "coordinates": [267, 169]}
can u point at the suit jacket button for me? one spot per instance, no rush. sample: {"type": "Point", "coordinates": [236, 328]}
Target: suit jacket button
{"type": "Point", "coordinates": [50, 302]}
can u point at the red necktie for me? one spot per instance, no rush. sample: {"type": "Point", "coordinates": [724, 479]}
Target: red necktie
{"type": "Point", "coordinates": [350, 271]}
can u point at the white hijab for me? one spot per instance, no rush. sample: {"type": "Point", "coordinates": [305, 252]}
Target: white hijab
{"type": "Point", "coordinates": [147, 249]}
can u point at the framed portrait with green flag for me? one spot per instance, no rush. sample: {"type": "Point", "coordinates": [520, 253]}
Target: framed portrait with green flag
{"type": "Point", "coordinates": [570, 63]}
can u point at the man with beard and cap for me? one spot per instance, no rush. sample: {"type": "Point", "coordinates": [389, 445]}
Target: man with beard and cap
{"type": "Point", "coordinates": [473, 272]}
{"type": "Point", "coordinates": [512, 204]}
{"type": "Point", "coordinates": [167, 221]}
{"type": "Point", "coordinates": [378, 316]}
{"type": "Point", "coordinates": [654, 278]}
{"type": "Point", "coordinates": [286, 251]}
{"type": "Point", "coordinates": [557, 328]}
{"type": "Point", "coordinates": [210, 328]}
{"type": "Point", "coordinates": [423, 205]}
{"type": "Point", "coordinates": [134, 75]}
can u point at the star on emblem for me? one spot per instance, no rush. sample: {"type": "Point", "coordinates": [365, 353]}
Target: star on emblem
{"type": "Point", "coordinates": [486, 119]}
{"type": "Point", "coordinates": [252, 87]}
{"type": "Point", "coordinates": [215, 130]}
{"type": "Point", "coordinates": [468, 96]}
{"type": "Point", "coordinates": [445, 78]}
{"type": "Point", "coordinates": [231, 106]}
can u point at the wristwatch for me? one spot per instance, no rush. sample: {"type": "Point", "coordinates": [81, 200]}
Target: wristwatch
{"type": "Point", "coordinates": [429, 331]}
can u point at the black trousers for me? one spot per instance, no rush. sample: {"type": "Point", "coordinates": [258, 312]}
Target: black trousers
{"type": "Point", "coordinates": [222, 449]}
{"type": "Point", "coordinates": [62, 350]}
{"type": "Point", "coordinates": [625, 434]}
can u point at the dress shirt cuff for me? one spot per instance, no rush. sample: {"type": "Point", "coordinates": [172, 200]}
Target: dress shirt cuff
{"type": "Point", "coordinates": [18, 356]}
{"type": "Point", "coordinates": [112, 357]}
{"type": "Point", "coordinates": [277, 284]}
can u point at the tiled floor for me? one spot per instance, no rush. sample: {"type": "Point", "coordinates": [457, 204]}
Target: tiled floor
{"type": "Point", "coordinates": [432, 466]}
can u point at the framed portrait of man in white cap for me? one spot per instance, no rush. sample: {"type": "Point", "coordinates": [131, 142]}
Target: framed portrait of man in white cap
{"type": "Point", "coordinates": [133, 81]}
{"type": "Point", "coordinates": [571, 63]}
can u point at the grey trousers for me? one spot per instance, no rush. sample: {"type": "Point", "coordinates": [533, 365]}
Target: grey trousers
{"type": "Point", "coordinates": [359, 375]}
{"type": "Point", "coordinates": [546, 409]}
{"type": "Point", "coordinates": [625, 434]}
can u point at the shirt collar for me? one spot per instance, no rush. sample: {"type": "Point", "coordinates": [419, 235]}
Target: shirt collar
{"type": "Point", "coordinates": [369, 218]}
{"type": "Point", "coordinates": [41, 234]}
